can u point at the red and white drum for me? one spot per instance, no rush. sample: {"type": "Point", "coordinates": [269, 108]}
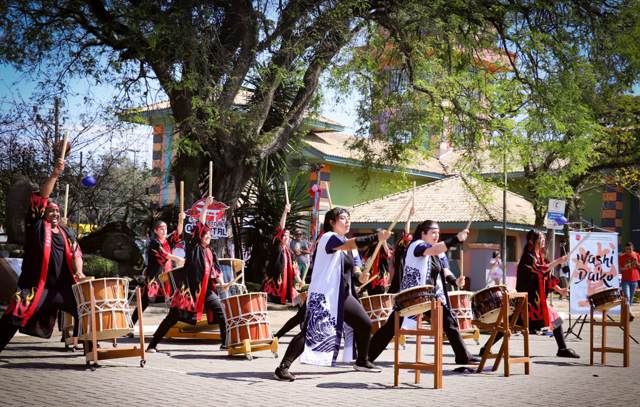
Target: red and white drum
{"type": "Point", "coordinates": [605, 299]}
{"type": "Point", "coordinates": [461, 308]}
{"type": "Point", "coordinates": [486, 304]}
{"type": "Point", "coordinates": [247, 319]}
{"type": "Point", "coordinates": [113, 318]}
{"type": "Point", "coordinates": [378, 307]}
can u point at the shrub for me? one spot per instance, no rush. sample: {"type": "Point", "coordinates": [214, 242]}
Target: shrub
{"type": "Point", "coordinates": [99, 267]}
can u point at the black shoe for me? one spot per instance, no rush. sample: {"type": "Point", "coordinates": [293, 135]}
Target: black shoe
{"type": "Point", "coordinates": [282, 373]}
{"type": "Point", "coordinates": [472, 360]}
{"type": "Point", "coordinates": [366, 367]}
{"type": "Point", "coordinates": [224, 347]}
{"type": "Point", "coordinates": [567, 353]}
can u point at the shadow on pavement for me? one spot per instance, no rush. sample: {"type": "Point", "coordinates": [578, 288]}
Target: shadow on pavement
{"type": "Point", "coordinates": [251, 376]}
{"type": "Point", "coordinates": [41, 365]}
{"type": "Point", "coordinates": [57, 349]}
{"type": "Point", "coordinates": [561, 363]}
{"type": "Point", "coordinates": [248, 377]}
{"type": "Point", "coordinates": [65, 356]}
{"type": "Point", "coordinates": [369, 386]}
{"type": "Point", "coordinates": [195, 356]}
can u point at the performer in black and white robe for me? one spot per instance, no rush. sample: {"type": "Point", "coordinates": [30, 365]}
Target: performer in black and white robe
{"type": "Point", "coordinates": [425, 264]}
{"type": "Point", "coordinates": [332, 301]}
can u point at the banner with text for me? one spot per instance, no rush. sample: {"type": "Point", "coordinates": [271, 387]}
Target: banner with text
{"type": "Point", "coordinates": [594, 267]}
{"type": "Point", "coordinates": [216, 219]}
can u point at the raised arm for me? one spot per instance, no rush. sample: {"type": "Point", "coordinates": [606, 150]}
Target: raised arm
{"type": "Point", "coordinates": [46, 188]}
{"type": "Point", "coordinates": [443, 246]}
{"type": "Point", "coordinates": [363, 241]}
{"type": "Point", "coordinates": [203, 210]}
{"type": "Point", "coordinates": [180, 228]}
{"type": "Point", "coordinates": [559, 260]}
{"type": "Point", "coordinates": [283, 218]}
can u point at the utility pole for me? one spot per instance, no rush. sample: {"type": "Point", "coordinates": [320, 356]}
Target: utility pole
{"type": "Point", "coordinates": [504, 211]}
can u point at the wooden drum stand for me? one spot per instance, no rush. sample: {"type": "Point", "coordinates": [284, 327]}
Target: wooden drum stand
{"type": "Point", "coordinates": [435, 331]}
{"type": "Point", "coordinates": [93, 354]}
{"type": "Point", "coordinates": [623, 324]}
{"type": "Point", "coordinates": [506, 325]}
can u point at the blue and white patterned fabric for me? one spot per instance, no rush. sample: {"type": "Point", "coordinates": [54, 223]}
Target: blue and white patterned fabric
{"type": "Point", "coordinates": [324, 319]}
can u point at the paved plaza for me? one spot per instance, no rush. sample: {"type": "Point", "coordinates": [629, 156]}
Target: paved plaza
{"type": "Point", "coordinates": [38, 372]}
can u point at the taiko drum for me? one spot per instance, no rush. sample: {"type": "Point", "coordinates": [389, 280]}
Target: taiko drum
{"type": "Point", "coordinates": [113, 318]}
{"type": "Point", "coordinates": [247, 318]}
{"type": "Point", "coordinates": [378, 307]}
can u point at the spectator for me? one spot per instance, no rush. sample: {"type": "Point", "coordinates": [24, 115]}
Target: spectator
{"type": "Point", "coordinates": [301, 248]}
{"type": "Point", "coordinates": [495, 274]}
{"type": "Point", "coordinates": [629, 262]}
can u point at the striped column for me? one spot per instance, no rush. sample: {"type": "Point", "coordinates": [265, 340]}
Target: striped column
{"type": "Point", "coordinates": [613, 208]}
{"type": "Point", "coordinates": [318, 210]}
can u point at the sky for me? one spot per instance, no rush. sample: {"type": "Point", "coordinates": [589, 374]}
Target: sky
{"type": "Point", "coordinates": [16, 86]}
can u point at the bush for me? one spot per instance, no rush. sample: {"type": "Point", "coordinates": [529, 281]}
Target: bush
{"type": "Point", "coordinates": [99, 267]}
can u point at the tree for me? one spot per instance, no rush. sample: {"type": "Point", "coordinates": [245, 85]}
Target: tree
{"type": "Point", "coordinates": [202, 54]}
{"type": "Point", "coordinates": [28, 134]}
{"type": "Point", "coordinates": [525, 80]}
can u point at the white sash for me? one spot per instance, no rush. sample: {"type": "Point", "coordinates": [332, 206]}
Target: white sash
{"type": "Point", "coordinates": [415, 273]}
{"type": "Point", "coordinates": [323, 333]}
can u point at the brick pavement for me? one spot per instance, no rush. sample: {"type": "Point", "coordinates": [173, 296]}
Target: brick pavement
{"type": "Point", "coordinates": [38, 372]}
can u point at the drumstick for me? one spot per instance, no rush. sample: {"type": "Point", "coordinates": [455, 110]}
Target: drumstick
{"type": "Point", "coordinates": [584, 239]}
{"type": "Point", "coordinates": [64, 146]}
{"type": "Point", "coordinates": [66, 200]}
{"type": "Point", "coordinates": [286, 192]}
{"type": "Point", "coordinates": [230, 283]}
{"type": "Point", "coordinates": [413, 195]}
{"type": "Point", "coordinates": [326, 184]}
{"type": "Point", "coordinates": [371, 259]}
{"type": "Point", "coordinates": [210, 178]}
{"type": "Point", "coordinates": [181, 196]}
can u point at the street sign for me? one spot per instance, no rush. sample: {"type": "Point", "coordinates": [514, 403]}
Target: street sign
{"type": "Point", "coordinates": [555, 214]}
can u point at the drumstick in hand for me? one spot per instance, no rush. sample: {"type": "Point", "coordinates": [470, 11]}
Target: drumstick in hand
{"type": "Point", "coordinates": [63, 153]}
{"type": "Point", "coordinates": [372, 258]}
{"type": "Point", "coordinates": [584, 239]}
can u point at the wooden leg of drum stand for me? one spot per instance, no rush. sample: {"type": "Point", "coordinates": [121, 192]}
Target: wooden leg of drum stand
{"type": "Point", "coordinates": [603, 354]}
{"type": "Point", "coordinates": [525, 334]}
{"type": "Point", "coordinates": [396, 348]}
{"type": "Point", "coordinates": [94, 334]}
{"type": "Point", "coordinates": [140, 327]}
{"type": "Point", "coordinates": [625, 328]}
{"type": "Point", "coordinates": [436, 325]}
{"type": "Point", "coordinates": [502, 325]}
{"type": "Point", "coordinates": [591, 341]}
{"type": "Point", "coordinates": [273, 347]}
{"type": "Point", "coordinates": [507, 335]}
{"type": "Point", "coordinates": [418, 347]}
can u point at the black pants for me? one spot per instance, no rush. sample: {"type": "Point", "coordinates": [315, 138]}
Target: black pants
{"type": "Point", "coordinates": [297, 319]}
{"type": "Point", "coordinates": [355, 316]}
{"type": "Point", "coordinates": [211, 303]}
{"type": "Point", "coordinates": [54, 301]}
{"type": "Point", "coordinates": [384, 335]}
